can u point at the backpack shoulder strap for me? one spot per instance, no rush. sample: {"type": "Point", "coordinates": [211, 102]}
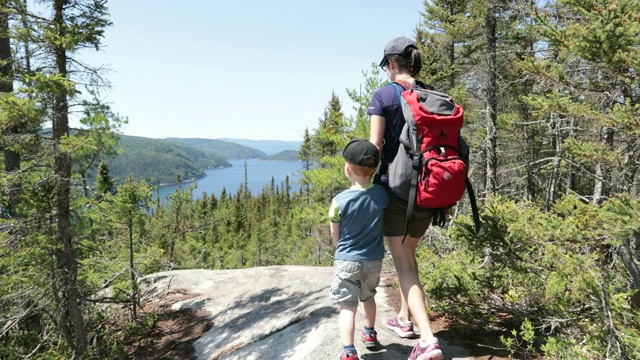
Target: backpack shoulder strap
{"type": "Point", "coordinates": [474, 205]}
{"type": "Point", "coordinates": [405, 84]}
{"type": "Point", "coordinates": [416, 164]}
{"type": "Point", "coordinates": [397, 86]}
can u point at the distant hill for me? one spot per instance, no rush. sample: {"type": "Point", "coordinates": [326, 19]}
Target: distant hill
{"type": "Point", "coordinates": [269, 147]}
{"type": "Point", "coordinates": [160, 161]}
{"type": "Point", "coordinates": [224, 149]}
{"type": "Point", "coordinates": [286, 155]}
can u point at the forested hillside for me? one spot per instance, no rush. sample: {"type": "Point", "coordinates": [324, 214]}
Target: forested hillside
{"type": "Point", "coordinates": [552, 114]}
{"type": "Point", "coordinates": [269, 147]}
{"type": "Point", "coordinates": [224, 149]}
{"type": "Point", "coordinates": [160, 161]}
{"type": "Point", "coordinates": [286, 155]}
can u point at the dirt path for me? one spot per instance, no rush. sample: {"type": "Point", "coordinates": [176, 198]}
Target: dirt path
{"type": "Point", "coordinates": [479, 346]}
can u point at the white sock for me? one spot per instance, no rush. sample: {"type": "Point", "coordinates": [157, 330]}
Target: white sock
{"type": "Point", "coordinates": [424, 344]}
{"type": "Point", "coordinates": [404, 322]}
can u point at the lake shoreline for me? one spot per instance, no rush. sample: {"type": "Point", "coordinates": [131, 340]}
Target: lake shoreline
{"type": "Point", "coordinates": [259, 174]}
{"type": "Point", "coordinates": [193, 178]}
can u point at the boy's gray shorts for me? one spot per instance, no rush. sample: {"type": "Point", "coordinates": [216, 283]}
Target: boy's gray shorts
{"type": "Point", "coordinates": [354, 280]}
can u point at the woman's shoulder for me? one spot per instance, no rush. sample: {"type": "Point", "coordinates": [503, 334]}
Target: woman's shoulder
{"type": "Point", "coordinates": [387, 91]}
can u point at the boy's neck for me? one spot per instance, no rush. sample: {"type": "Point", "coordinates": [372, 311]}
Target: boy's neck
{"type": "Point", "coordinates": [360, 180]}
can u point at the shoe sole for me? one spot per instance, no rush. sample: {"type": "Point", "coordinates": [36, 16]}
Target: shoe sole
{"type": "Point", "coordinates": [402, 334]}
{"type": "Point", "coordinates": [370, 344]}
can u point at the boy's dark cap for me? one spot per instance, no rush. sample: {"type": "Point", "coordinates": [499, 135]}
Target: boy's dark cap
{"type": "Point", "coordinates": [396, 46]}
{"type": "Point", "coordinates": [361, 152]}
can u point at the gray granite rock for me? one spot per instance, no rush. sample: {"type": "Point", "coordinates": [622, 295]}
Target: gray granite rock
{"type": "Point", "coordinates": [278, 312]}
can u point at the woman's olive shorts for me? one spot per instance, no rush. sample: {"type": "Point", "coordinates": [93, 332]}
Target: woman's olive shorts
{"type": "Point", "coordinates": [395, 218]}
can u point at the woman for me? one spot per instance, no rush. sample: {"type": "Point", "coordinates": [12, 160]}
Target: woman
{"type": "Point", "coordinates": [402, 63]}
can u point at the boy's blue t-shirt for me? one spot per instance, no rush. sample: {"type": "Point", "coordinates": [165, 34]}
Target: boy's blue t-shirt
{"type": "Point", "coordinates": [359, 211]}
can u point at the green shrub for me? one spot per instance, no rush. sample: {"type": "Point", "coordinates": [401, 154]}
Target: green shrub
{"type": "Point", "coordinates": [550, 275]}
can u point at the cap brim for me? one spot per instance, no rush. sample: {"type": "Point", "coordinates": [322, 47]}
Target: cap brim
{"type": "Point", "coordinates": [383, 61]}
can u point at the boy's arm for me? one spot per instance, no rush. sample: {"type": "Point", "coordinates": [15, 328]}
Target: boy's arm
{"type": "Point", "coordinates": [335, 232]}
{"type": "Point", "coordinates": [334, 218]}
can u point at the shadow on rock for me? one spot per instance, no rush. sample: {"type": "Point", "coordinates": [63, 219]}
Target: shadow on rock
{"type": "Point", "coordinates": [263, 316]}
{"type": "Point", "coordinates": [388, 352]}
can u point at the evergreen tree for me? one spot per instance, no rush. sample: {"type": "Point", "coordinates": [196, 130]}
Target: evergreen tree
{"type": "Point", "coordinates": [96, 141]}
{"type": "Point", "coordinates": [359, 123]}
{"type": "Point", "coordinates": [74, 26]}
{"type": "Point", "coordinates": [104, 183]}
{"type": "Point", "coordinates": [52, 217]}
{"type": "Point", "coordinates": [326, 143]}
{"type": "Point", "coordinates": [130, 204]}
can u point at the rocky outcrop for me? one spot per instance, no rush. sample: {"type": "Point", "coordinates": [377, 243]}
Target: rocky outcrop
{"type": "Point", "coordinates": [279, 312]}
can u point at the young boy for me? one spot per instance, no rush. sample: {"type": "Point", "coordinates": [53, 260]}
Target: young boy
{"type": "Point", "coordinates": [356, 230]}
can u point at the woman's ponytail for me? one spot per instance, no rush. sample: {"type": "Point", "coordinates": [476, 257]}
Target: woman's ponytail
{"type": "Point", "coordinates": [409, 61]}
{"type": "Point", "coordinates": [415, 62]}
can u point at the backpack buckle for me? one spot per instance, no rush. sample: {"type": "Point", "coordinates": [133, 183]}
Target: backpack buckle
{"type": "Point", "coordinates": [416, 163]}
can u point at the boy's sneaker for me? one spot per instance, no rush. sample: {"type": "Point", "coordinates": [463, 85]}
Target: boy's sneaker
{"type": "Point", "coordinates": [370, 339]}
{"type": "Point", "coordinates": [431, 352]}
{"type": "Point", "coordinates": [349, 355]}
{"type": "Point", "coordinates": [404, 331]}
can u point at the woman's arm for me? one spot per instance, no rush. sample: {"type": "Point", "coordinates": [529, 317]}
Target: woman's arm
{"type": "Point", "coordinates": [376, 133]}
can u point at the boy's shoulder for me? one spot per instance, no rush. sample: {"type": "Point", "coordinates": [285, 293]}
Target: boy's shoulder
{"type": "Point", "coordinates": [357, 192]}
{"type": "Point", "coordinates": [378, 189]}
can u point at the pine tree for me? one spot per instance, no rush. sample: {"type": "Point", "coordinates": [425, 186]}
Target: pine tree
{"type": "Point", "coordinates": [104, 183]}
{"type": "Point", "coordinates": [326, 143]}
{"type": "Point", "coordinates": [359, 123]}
{"type": "Point", "coordinates": [130, 204]}
{"type": "Point", "coordinates": [76, 25]}
{"type": "Point", "coordinates": [47, 75]}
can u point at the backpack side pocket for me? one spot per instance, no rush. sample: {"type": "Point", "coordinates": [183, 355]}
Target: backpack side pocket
{"type": "Point", "coordinates": [399, 173]}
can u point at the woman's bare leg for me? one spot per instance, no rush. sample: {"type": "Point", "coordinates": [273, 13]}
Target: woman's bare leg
{"type": "Point", "coordinates": [404, 258]}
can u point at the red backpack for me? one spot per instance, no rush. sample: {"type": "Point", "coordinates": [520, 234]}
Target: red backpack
{"type": "Point", "coordinates": [431, 164]}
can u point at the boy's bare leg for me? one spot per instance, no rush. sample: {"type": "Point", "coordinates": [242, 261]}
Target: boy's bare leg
{"type": "Point", "coordinates": [369, 309]}
{"type": "Point", "coordinates": [347, 324]}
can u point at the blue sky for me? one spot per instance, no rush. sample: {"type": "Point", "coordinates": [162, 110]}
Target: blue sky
{"type": "Point", "coordinates": [249, 69]}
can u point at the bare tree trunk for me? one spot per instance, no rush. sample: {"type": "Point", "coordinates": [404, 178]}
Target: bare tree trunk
{"type": "Point", "coordinates": [530, 185]}
{"type": "Point", "coordinates": [71, 319]}
{"type": "Point", "coordinates": [627, 259]}
{"type": "Point", "coordinates": [571, 174]}
{"type": "Point", "coordinates": [552, 185]}
{"type": "Point", "coordinates": [132, 272]}
{"type": "Point", "coordinates": [492, 102]}
{"type": "Point", "coordinates": [630, 168]}
{"type": "Point", "coordinates": [27, 47]}
{"type": "Point", "coordinates": [11, 157]}
{"type": "Point", "coordinates": [636, 242]}
{"type": "Point", "coordinates": [599, 190]}
{"type": "Point", "coordinates": [531, 153]}
{"type": "Point", "coordinates": [451, 50]}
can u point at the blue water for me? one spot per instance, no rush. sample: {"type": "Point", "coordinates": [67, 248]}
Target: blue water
{"type": "Point", "coordinates": [259, 174]}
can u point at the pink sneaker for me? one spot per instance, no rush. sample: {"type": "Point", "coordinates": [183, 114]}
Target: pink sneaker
{"type": "Point", "coordinates": [404, 331]}
{"type": "Point", "coordinates": [431, 352]}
